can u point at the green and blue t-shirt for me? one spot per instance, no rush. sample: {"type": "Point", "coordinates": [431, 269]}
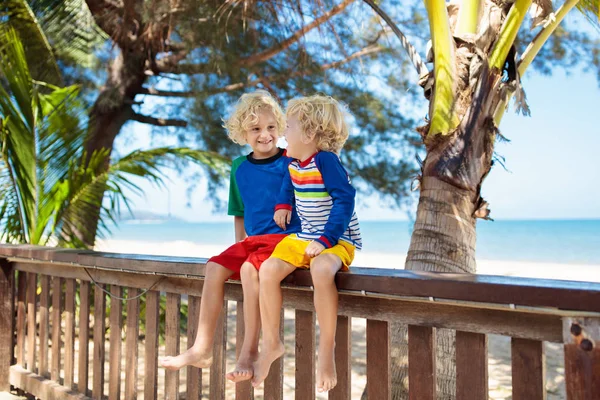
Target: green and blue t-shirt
{"type": "Point", "coordinates": [254, 190]}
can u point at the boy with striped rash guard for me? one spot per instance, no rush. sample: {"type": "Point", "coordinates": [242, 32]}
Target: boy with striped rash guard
{"type": "Point", "coordinates": [256, 186]}
{"type": "Point", "coordinates": [316, 132]}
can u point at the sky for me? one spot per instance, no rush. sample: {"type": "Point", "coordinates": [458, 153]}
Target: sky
{"type": "Point", "coordinates": [552, 161]}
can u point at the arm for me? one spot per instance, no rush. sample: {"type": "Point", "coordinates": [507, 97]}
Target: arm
{"type": "Point", "coordinates": [240, 231]}
{"type": "Point", "coordinates": [235, 206]}
{"type": "Point", "coordinates": [285, 201]}
{"type": "Point", "coordinates": [342, 193]}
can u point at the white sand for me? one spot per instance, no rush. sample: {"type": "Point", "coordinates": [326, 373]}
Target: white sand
{"type": "Point", "coordinates": [575, 272]}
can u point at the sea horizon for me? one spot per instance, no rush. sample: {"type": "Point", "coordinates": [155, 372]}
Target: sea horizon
{"type": "Point", "coordinates": [568, 241]}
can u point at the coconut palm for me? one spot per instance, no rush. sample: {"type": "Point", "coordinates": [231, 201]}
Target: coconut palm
{"type": "Point", "coordinates": [45, 184]}
{"type": "Point", "coordinates": [476, 71]}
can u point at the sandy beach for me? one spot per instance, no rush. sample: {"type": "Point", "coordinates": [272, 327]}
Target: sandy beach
{"type": "Point", "coordinates": [499, 346]}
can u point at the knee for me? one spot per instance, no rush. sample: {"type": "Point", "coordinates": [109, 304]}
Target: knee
{"type": "Point", "coordinates": [248, 272]}
{"type": "Point", "coordinates": [322, 272]}
{"type": "Point", "coordinates": [216, 272]}
{"type": "Point", "coordinates": [268, 269]}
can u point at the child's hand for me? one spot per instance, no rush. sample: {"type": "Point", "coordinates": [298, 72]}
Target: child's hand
{"type": "Point", "coordinates": [282, 217]}
{"type": "Point", "coordinates": [314, 248]}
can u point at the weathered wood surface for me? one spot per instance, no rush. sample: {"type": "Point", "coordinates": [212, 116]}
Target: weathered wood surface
{"type": "Point", "coordinates": [131, 343]}
{"type": "Point", "coordinates": [568, 295]}
{"type": "Point", "coordinates": [471, 366]}
{"type": "Point", "coordinates": [151, 346]}
{"type": "Point", "coordinates": [40, 387]}
{"type": "Point", "coordinates": [305, 355]}
{"type": "Point", "coordinates": [194, 375]}
{"type": "Point", "coordinates": [69, 346]}
{"type": "Point", "coordinates": [44, 325]}
{"type": "Point", "coordinates": [421, 363]}
{"type": "Point", "coordinates": [7, 279]}
{"type": "Point", "coordinates": [378, 360]}
{"type": "Point", "coordinates": [84, 334]}
{"type": "Point", "coordinates": [172, 318]}
{"type": "Point", "coordinates": [343, 359]}
{"type": "Point", "coordinates": [582, 358]}
{"type": "Point", "coordinates": [116, 324]}
{"type": "Point", "coordinates": [31, 329]}
{"type": "Point", "coordinates": [528, 369]}
{"type": "Point", "coordinates": [506, 321]}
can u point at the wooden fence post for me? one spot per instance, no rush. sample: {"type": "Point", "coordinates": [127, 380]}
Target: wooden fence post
{"type": "Point", "coordinates": [581, 338]}
{"type": "Point", "coordinates": [6, 322]}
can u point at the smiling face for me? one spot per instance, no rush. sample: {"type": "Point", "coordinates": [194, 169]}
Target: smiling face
{"type": "Point", "coordinates": [262, 136]}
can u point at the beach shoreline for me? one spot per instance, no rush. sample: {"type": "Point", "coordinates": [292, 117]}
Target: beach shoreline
{"type": "Point", "coordinates": [529, 269]}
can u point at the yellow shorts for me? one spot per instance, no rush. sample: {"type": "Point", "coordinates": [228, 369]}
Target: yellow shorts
{"type": "Point", "coordinates": [292, 250]}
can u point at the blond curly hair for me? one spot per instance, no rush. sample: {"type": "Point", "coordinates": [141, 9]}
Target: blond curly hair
{"type": "Point", "coordinates": [245, 115]}
{"type": "Point", "coordinates": [323, 118]}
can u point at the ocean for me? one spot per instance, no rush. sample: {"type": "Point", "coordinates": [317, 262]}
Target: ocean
{"type": "Point", "coordinates": [550, 241]}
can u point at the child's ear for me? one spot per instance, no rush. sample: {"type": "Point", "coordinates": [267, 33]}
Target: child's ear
{"type": "Point", "coordinates": [308, 137]}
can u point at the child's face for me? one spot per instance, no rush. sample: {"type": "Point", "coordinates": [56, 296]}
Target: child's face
{"type": "Point", "coordinates": [293, 136]}
{"type": "Point", "coordinates": [263, 137]}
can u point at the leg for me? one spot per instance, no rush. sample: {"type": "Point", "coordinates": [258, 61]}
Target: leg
{"type": "Point", "coordinates": [323, 270]}
{"type": "Point", "coordinates": [200, 354]}
{"type": "Point", "coordinates": [249, 352]}
{"type": "Point", "coordinates": [271, 274]}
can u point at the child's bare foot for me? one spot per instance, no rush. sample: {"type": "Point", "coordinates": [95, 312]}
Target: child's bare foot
{"type": "Point", "coordinates": [326, 375]}
{"type": "Point", "coordinates": [189, 357]}
{"type": "Point", "coordinates": [263, 364]}
{"type": "Point", "coordinates": [243, 369]}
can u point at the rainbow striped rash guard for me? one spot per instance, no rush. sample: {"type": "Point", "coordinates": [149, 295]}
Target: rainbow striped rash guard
{"type": "Point", "coordinates": [324, 200]}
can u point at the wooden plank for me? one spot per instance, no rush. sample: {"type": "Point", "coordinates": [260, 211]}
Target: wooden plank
{"type": "Point", "coordinates": [274, 382]}
{"type": "Point", "coordinates": [70, 289]}
{"type": "Point", "coordinates": [151, 346]}
{"type": "Point", "coordinates": [99, 342]}
{"type": "Point", "coordinates": [40, 387]}
{"type": "Point", "coordinates": [21, 317]}
{"type": "Point", "coordinates": [471, 366]}
{"type": "Point", "coordinates": [528, 369]}
{"type": "Point", "coordinates": [116, 324]}
{"type": "Point", "coordinates": [582, 358]}
{"type": "Point", "coordinates": [569, 295]}
{"type": "Point", "coordinates": [343, 359]}
{"type": "Point", "coordinates": [305, 355]}
{"type": "Point", "coordinates": [131, 343]}
{"type": "Point", "coordinates": [7, 278]}
{"type": "Point", "coordinates": [243, 390]}
{"type": "Point", "coordinates": [378, 360]}
{"type": "Point", "coordinates": [421, 363]}
{"type": "Point", "coordinates": [31, 312]}
{"type": "Point", "coordinates": [44, 370]}
{"type": "Point", "coordinates": [194, 375]}
{"type": "Point", "coordinates": [57, 307]}
{"type": "Point", "coordinates": [527, 324]}
{"type": "Point", "coordinates": [172, 344]}
{"type": "Point", "coordinates": [84, 334]}
{"type": "Point", "coordinates": [217, 370]}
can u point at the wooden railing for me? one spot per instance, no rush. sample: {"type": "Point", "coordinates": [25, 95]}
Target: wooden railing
{"type": "Point", "coordinates": [46, 320]}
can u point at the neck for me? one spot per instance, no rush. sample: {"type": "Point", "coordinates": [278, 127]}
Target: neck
{"type": "Point", "coordinates": [307, 153]}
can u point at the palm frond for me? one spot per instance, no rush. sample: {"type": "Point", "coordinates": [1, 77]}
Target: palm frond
{"type": "Point", "coordinates": [80, 193]}
{"type": "Point", "coordinates": [508, 33]}
{"type": "Point", "coordinates": [18, 15]}
{"type": "Point", "coordinates": [442, 115]}
{"type": "Point", "coordinates": [71, 28]}
{"type": "Point", "coordinates": [18, 109]}
{"type": "Point", "coordinates": [591, 10]}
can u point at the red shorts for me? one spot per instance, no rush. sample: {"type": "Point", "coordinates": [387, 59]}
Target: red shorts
{"type": "Point", "coordinates": [253, 249]}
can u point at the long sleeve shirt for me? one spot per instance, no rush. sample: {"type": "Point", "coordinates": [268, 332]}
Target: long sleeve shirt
{"type": "Point", "coordinates": [324, 200]}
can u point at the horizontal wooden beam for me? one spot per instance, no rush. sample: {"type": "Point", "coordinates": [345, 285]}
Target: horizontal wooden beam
{"type": "Point", "coordinates": [510, 322]}
{"type": "Point", "coordinates": [41, 387]}
{"type": "Point", "coordinates": [564, 295]}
